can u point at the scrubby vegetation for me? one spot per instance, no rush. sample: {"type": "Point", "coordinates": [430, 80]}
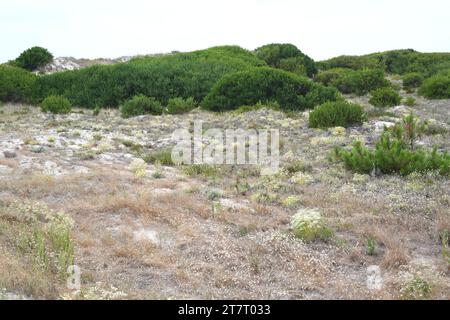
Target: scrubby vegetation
{"type": "Point", "coordinates": [140, 105]}
{"type": "Point", "coordinates": [336, 114]}
{"type": "Point", "coordinates": [56, 104]}
{"type": "Point", "coordinates": [180, 105]}
{"type": "Point", "coordinates": [163, 77]}
{"type": "Point", "coordinates": [385, 97]}
{"type": "Point", "coordinates": [41, 248]}
{"type": "Point", "coordinates": [437, 87]}
{"type": "Point", "coordinates": [412, 80]}
{"type": "Point", "coordinates": [410, 102]}
{"type": "Point", "coordinates": [163, 157]}
{"type": "Point", "coordinates": [287, 57]}
{"type": "Point", "coordinates": [349, 81]}
{"type": "Point", "coordinates": [16, 84]}
{"type": "Point", "coordinates": [291, 92]}
{"type": "Point", "coordinates": [331, 76]}
{"type": "Point", "coordinates": [396, 152]}
{"type": "Point", "coordinates": [393, 62]}
{"type": "Point", "coordinates": [194, 74]}
{"type": "Point", "coordinates": [33, 58]}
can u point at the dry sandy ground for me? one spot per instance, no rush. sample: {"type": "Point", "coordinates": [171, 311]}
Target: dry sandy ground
{"type": "Point", "coordinates": [168, 233]}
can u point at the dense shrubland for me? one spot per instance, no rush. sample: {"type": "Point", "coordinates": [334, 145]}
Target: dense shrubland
{"type": "Point", "coordinates": [245, 88]}
{"type": "Point", "coordinates": [393, 62]}
{"type": "Point", "coordinates": [359, 82]}
{"type": "Point", "coordinates": [177, 80]}
{"type": "Point", "coordinates": [179, 75]}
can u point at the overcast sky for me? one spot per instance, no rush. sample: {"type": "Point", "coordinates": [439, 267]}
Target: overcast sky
{"type": "Point", "coordinates": [320, 28]}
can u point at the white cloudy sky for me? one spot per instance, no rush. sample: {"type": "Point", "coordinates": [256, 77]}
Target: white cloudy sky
{"type": "Point", "coordinates": [320, 28]}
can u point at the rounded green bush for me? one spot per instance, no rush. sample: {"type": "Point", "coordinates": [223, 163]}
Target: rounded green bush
{"type": "Point", "coordinates": [437, 87]}
{"type": "Point", "coordinates": [336, 114]}
{"type": "Point", "coordinates": [287, 57]}
{"type": "Point", "coordinates": [264, 85]}
{"type": "Point", "coordinates": [385, 97]}
{"type": "Point", "coordinates": [361, 82]}
{"type": "Point", "coordinates": [140, 105]}
{"type": "Point", "coordinates": [33, 58]}
{"type": "Point", "coordinates": [56, 104]}
{"type": "Point", "coordinates": [412, 80]}
{"type": "Point", "coordinates": [180, 105]}
{"type": "Point", "coordinates": [16, 84]}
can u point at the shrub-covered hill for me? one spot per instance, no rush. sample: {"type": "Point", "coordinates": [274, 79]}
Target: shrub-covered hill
{"type": "Point", "coordinates": [179, 75]}
{"type": "Point", "coordinates": [204, 76]}
{"type": "Point", "coordinates": [393, 62]}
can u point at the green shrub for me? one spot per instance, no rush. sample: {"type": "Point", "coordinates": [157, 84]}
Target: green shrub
{"type": "Point", "coordinates": [412, 80]}
{"type": "Point", "coordinates": [385, 97]}
{"type": "Point", "coordinates": [410, 102]}
{"type": "Point", "coordinates": [417, 289]}
{"type": "Point", "coordinates": [371, 246]}
{"type": "Point", "coordinates": [183, 75]}
{"type": "Point", "coordinates": [351, 62]}
{"type": "Point", "coordinates": [295, 65]}
{"type": "Point", "coordinates": [349, 81]}
{"type": "Point", "coordinates": [56, 104]}
{"type": "Point", "coordinates": [437, 87]}
{"type": "Point", "coordinates": [287, 57]}
{"type": "Point", "coordinates": [394, 62]}
{"type": "Point", "coordinates": [33, 58]}
{"type": "Point", "coordinates": [140, 105]}
{"type": "Point", "coordinates": [16, 84]}
{"type": "Point", "coordinates": [360, 82]}
{"type": "Point", "coordinates": [395, 152]}
{"type": "Point", "coordinates": [180, 105]}
{"type": "Point", "coordinates": [163, 157]}
{"type": "Point", "coordinates": [266, 85]}
{"type": "Point", "coordinates": [336, 114]}
{"type": "Point", "coordinates": [203, 170]}
{"type": "Point", "coordinates": [329, 77]}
